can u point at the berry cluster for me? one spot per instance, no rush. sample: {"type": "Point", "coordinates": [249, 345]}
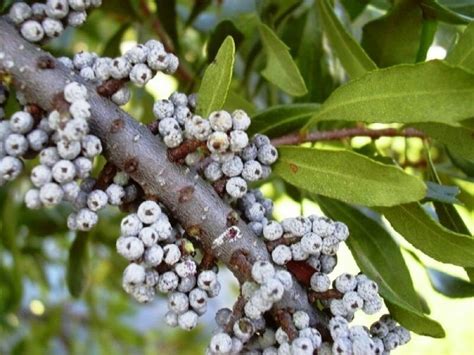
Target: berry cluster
{"type": "Point", "coordinates": [384, 335]}
{"type": "Point", "coordinates": [234, 158]}
{"type": "Point", "coordinates": [161, 261]}
{"type": "Point", "coordinates": [138, 65]}
{"type": "Point", "coordinates": [160, 253]}
{"type": "Point", "coordinates": [255, 209]}
{"type": "Point", "coordinates": [40, 21]}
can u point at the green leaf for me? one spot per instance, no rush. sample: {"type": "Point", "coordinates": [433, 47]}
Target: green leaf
{"type": "Point", "coordinates": [223, 30]}
{"type": "Point", "coordinates": [78, 264]}
{"type": "Point", "coordinates": [465, 7]}
{"type": "Point", "coordinates": [312, 62]}
{"type": "Point", "coordinates": [449, 285]}
{"type": "Point", "coordinates": [6, 4]}
{"type": "Point", "coordinates": [280, 69]}
{"type": "Point", "coordinates": [347, 176]}
{"type": "Point", "coordinates": [433, 9]}
{"type": "Point", "coordinates": [418, 323]}
{"type": "Point", "coordinates": [428, 32]}
{"type": "Point", "coordinates": [112, 48]}
{"type": "Point", "coordinates": [354, 7]}
{"type": "Point", "coordinates": [395, 38]}
{"type": "Point", "coordinates": [425, 234]}
{"type": "Point", "coordinates": [441, 193]}
{"type": "Point", "coordinates": [462, 55]}
{"type": "Point", "coordinates": [371, 245]}
{"type": "Point", "coordinates": [166, 11]}
{"type": "Point", "coordinates": [217, 78]}
{"type": "Point", "coordinates": [424, 92]}
{"type": "Point", "coordinates": [235, 101]}
{"type": "Point", "coordinates": [353, 58]}
{"type": "Point", "coordinates": [459, 140]}
{"type": "Point", "coordinates": [465, 165]}
{"type": "Point", "coordinates": [278, 120]}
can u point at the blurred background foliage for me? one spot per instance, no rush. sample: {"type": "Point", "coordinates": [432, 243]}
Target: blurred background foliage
{"type": "Point", "coordinates": [61, 293]}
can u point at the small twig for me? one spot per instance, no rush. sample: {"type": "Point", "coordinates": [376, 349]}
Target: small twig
{"type": "Point", "coordinates": [281, 241]}
{"type": "Point", "coordinates": [237, 313]}
{"type": "Point", "coordinates": [208, 261]}
{"type": "Point", "coordinates": [106, 176]}
{"type": "Point", "coordinates": [298, 137]}
{"type": "Point", "coordinates": [301, 270]}
{"type": "Point", "coordinates": [240, 260]}
{"type": "Point", "coordinates": [284, 318]}
{"type": "Point", "coordinates": [187, 147]}
{"type": "Point", "coordinates": [313, 296]}
{"type": "Point", "coordinates": [110, 87]}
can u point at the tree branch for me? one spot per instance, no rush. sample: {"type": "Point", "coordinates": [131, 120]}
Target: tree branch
{"type": "Point", "coordinates": [298, 138]}
{"type": "Point", "coordinates": [131, 147]}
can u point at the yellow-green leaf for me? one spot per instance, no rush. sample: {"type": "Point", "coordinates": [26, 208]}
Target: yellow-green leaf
{"type": "Point", "coordinates": [426, 92]}
{"type": "Point", "coordinates": [425, 234]}
{"type": "Point", "coordinates": [347, 176]}
{"type": "Point", "coordinates": [280, 69]}
{"type": "Point", "coordinates": [353, 58]}
{"type": "Point", "coordinates": [462, 55]}
{"type": "Point", "coordinates": [217, 78]}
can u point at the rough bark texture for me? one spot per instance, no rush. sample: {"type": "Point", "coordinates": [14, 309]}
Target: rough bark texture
{"type": "Point", "coordinates": [131, 147]}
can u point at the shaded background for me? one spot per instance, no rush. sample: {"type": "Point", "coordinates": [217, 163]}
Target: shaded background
{"type": "Point", "coordinates": [38, 313]}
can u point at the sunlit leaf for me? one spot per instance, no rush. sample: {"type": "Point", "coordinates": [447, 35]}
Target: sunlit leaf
{"type": "Point", "coordinates": [280, 69]}
{"type": "Point", "coordinates": [217, 78]}
{"type": "Point", "coordinates": [353, 58]}
{"type": "Point", "coordinates": [425, 234]}
{"type": "Point", "coordinates": [425, 92]}
{"type": "Point", "coordinates": [347, 176]}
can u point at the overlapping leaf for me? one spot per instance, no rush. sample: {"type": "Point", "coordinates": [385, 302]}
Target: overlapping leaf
{"type": "Point", "coordinates": [353, 58]}
{"type": "Point", "coordinates": [425, 92]}
{"type": "Point", "coordinates": [280, 69]}
{"type": "Point", "coordinates": [347, 176]}
{"type": "Point", "coordinates": [217, 78]}
{"type": "Point", "coordinates": [425, 234]}
{"type": "Point", "coordinates": [278, 120]}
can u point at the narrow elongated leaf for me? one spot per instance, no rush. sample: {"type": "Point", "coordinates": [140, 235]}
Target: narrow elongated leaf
{"type": "Point", "coordinates": [311, 61]}
{"type": "Point", "coordinates": [459, 140]}
{"type": "Point", "coordinates": [223, 29]}
{"type": "Point", "coordinates": [428, 33]}
{"type": "Point", "coordinates": [78, 264]}
{"type": "Point", "coordinates": [371, 245]}
{"type": "Point", "coordinates": [465, 165]}
{"type": "Point", "coordinates": [419, 323]}
{"type": "Point", "coordinates": [425, 92]}
{"type": "Point", "coordinates": [465, 7]}
{"type": "Point", "coordinates": [166, 11]}
{"type": "Point", "coordinates": [235, 101]}
{"type": "Point", "coordinates": [449, 285]}
{"type": "Point", "coordinates": [217, 78]}
{"type": "Point", "coordinates": [354, 7]}
{"type": "Point", "coordinates": [278, 120]}
{"type": "Point", "coordinates": [433, 9]}
{"type": "Point", "coordinates": [395, 37]}
{"type": "Point", "coordinates": [347, 176]}
{"type": "Point", "coordinates": [353, 58]}
{"type": "Point", "coordinates": [462, 55]}
{"type": "Point", "coordinates": [425, 234]}
{"type": "Point", "coordinates": [280, 69]}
